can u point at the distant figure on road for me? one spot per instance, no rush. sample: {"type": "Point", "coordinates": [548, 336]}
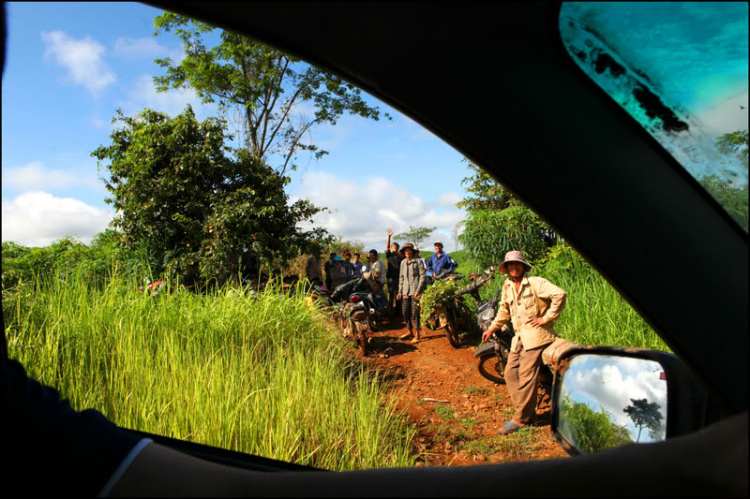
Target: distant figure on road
{"type": "Point", "coordinates": [328, 267]}
{"type": "Point", "coordinates": [312, 268]}
{"type": "Point", "coordinates": [411, 284]}
{"type": "Point", "coordinates": [357, 267]}
{"type": "Point", "coordinates": [440, 262]}
{"type": "Point", "coordinates": [338, 273]}
{"type": "Point", "coordinates": [394, 258]}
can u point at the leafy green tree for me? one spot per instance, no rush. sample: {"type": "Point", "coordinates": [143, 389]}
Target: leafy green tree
{"type": "Point", "coordinates": [645, 414]}
{"type": "Point", "coordinates": [733, 198]}
{"type": "Point", "coordinates": [734, 143]}
{"type": "Point", "coordinates": [499, 222]}
{"type": "Point", "coordinates": [182, 198]}
{"type": "Point", "coordinates": [484, 193]}
{"type": "Point", "coordinates": [265, 85]}
{"type": "Point", "coordinates": [416, 234]}
{"type": "Point", "coordinates": [489, 234]}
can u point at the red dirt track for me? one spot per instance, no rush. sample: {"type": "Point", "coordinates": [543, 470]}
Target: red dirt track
{"type": "Point", "coordinates": [433, 369]}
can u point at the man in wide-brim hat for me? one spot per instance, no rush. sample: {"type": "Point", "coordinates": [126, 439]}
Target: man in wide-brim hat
{"type": "Point", "coordinates": [531, 303]}
{"type": "Point", "coordinates": [414, 249]}
{"type": "Point", "coordinates": [411, 283]}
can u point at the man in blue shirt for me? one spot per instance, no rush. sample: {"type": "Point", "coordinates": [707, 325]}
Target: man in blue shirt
{"type": "Point", "coordinates": [440, 262]}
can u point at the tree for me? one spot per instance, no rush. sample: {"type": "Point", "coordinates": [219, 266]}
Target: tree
{"type": "Point", "coordinates": [490, 234]}
{"type": "Point", "coordinates": [182, 198]}
{"type": "Point", "coordinates": [416, 234]}
{"type": "Point", "coordinates": [499, 222]}
{"type": "Point", "coordinates": [734, 143]}
{"type": "Point", "coordinates": [588, 430]}
{"type": "Point", "coordinates": [484, 193]}
{"type": "Point", "coordinates": [264, 84]}
{"type": "Point", "coordinates": [648, 415]}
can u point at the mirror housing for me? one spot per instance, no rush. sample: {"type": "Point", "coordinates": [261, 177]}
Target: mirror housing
{"type": "Point", "coordinates": [686, 404]}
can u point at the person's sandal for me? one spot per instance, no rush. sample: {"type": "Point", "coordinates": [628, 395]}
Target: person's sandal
{"type": "Point", "coordinates": [406, 336]}
{"type": "Point", "coordinates": [415, 341]}
{"type": "Point", "coordinates": [509, 427]}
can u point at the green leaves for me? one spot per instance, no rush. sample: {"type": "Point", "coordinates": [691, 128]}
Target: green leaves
{"type": "Point", "coordinates": [265, 84]}
{"type": "Point", "coordinates": [489, 234]}
{"type": "Point", "coordinates": [182, 199]}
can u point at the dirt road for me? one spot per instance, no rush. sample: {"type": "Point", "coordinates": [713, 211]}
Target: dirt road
{"type": "Point", "coordinates": [459, 431]}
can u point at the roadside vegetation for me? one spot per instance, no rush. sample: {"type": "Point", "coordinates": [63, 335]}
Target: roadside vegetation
{"type": "Point", "coordinates": [260, 374]}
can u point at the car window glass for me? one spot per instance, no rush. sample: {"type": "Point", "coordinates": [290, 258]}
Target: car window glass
{"type": "Point", "coordinates": [157, 325]}
{"type": "Point", "coordinates": [681, 70]}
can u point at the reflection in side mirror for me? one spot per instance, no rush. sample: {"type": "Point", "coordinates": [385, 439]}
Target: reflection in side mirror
{"type": "Point", "coordinates": [605, 401]}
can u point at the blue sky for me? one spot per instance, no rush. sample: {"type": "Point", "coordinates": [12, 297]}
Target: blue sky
{"type": "Point", "coordinates": [69, 66]}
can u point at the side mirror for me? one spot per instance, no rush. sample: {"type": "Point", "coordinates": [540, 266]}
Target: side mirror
{"type": "Point", "coordinates": [604, 397]}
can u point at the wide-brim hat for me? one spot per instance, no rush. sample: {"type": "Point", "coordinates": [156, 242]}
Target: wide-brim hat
{"type": "Point", "coordinates": [408, 246]}
{"type": "Point", "coordinates": [513, 256]}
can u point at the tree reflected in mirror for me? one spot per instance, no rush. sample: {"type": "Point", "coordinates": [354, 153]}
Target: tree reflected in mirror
{"type": "Point", "coordinates": [606, 401]}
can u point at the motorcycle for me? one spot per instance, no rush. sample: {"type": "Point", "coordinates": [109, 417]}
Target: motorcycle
{"type": "Point", "coordinates": [359, 313]}
{"type": "Point", "coordinates": [452, 316]}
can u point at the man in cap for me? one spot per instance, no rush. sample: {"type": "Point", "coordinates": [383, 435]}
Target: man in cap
{"type": "Point", "coordinates": [440, 262]}
{"type": "Point", "coordinates": [531, 303]}
{"type": "Point", "coordinates": [375, 266]}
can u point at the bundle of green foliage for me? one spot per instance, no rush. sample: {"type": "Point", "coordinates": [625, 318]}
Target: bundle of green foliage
{"type": "Point", "coordinates": [440, 294]}
{"type": "Point", "coordinates": [181, 197]}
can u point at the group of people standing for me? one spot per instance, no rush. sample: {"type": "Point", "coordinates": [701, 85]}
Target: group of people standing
{"type": "Point", "coordinates": [531, 303]}
{"type": "Point", "coordinates": [406, 276]}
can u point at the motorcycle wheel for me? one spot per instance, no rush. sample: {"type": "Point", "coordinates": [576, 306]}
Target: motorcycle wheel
{"type": "Point", "coordinates": [452, 331]}
{"type": "Point", "coordinates": [360, 337]}
{"type": "Point", "coordinates": [492, 367]}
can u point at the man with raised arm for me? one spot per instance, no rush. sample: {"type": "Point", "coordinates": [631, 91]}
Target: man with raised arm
{"type": "Point", "coordinates": [394, 266]}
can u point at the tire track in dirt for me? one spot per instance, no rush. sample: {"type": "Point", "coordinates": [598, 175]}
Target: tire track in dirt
{"type": "Point", "coordinates": [461, 432]}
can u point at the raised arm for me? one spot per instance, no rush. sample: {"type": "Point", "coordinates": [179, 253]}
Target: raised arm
{"type": "Point", "coordinates": [388, 244]}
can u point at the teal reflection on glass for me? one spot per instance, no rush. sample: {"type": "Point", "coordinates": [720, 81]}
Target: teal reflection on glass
{"type": "Point", "coordinates": [681, 70]}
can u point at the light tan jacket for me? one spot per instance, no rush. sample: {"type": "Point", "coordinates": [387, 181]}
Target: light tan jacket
{"type": "Point", "coordinates": [536, 297]}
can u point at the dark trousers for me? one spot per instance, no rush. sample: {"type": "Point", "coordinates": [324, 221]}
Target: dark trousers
{"type": "Point", "coordinates": [410, 309]}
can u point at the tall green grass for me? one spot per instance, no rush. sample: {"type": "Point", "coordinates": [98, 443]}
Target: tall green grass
{"type": "Point", "coordinates": [262, 375]}
{"type": "Point", "coordinates": [595, 313]}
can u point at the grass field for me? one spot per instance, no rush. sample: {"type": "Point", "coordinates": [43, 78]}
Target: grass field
{"type": "Point", "coordinates": [261, 375]}
{"type": "Point", "coordinates": [595, 313]}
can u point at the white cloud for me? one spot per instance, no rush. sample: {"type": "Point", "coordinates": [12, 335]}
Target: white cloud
{"type": "Point", "coordinates": [145, 48]}
{"type": "Point", "coordinates": [83, 59]}
{"type": "Point", "coordinates": [143, 94]}
{"type": "Point", "coordinates": [39, 218]}
{"type": "Point", "coordinates": [617, 381]}
{"type": "Point", "coordinates": [362, 210]}
{"type": "Point", "coordinates": [449, 199]}
{"type": "Point", "coordinates": [35, 176]}
{"type": "Point", "coordinates": [726, 116]}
